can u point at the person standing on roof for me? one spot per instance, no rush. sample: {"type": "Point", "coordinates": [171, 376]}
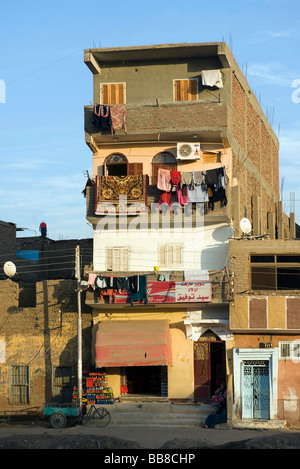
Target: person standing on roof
{"type": "Point", "coordinates": [43, 229]}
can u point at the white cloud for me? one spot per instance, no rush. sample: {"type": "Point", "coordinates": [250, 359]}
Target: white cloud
{"type": "Point", "coordinates": [273, 73]}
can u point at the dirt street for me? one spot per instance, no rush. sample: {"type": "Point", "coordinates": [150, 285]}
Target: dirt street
{"type": "Point", "coordinates": [87, 436]}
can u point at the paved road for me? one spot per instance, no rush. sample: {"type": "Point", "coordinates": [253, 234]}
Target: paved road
{"type": "Point", "coordinates": [147, 437]}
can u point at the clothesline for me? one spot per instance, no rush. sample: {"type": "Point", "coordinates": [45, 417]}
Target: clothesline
{"type": "Point", "coordinates": [192, 186]}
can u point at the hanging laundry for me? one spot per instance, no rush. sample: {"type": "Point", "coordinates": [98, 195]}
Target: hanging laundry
{"type": "Point", "coordinates": [110, 294]}
{"type": "Point", "coordinates": [182, 199]}
{"type": "Point", "coordinates": [164, 198]}
{"type": "Point", "coordinates": [212, 78]}
{"type": "Point", "coordinates": [102, 117]}
{"type": "Point", "coordinates": [198, 194]}
{"type": "Point", "coordinates": [101, 282]}
{"type": "Point", "coordinates": [164, 180]}
{"type": "Point", "coordinates": [175, 177]}
{"type": "Point", "coordinates": [118, 117]}
{"type": "Point", "coordinates": [186, 178]}
{"type": "Point", "coordinates": [211, 177]}
{"type": "Point", "coordinates": [139, 292]}
{"type": "Point", "coordinates": [92, 280]}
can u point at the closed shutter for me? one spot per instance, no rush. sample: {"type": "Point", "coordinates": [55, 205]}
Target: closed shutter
{"type": "Point", "coordinates": [170, 255]}
{"type": "Point", "coordinates": [112, 93]}
{"type": "Point", "coordinates": [134, 169]}
{"type": "Point", "coordinates": [117, 259]}
{"type": "Point", "coordinates": [185, 90]}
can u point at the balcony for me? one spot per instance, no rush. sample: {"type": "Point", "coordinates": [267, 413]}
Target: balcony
{"type": "Point", "coordinates": [175, 292]}
{"type": "Point", "coordinates": [111, 195]}
{"type": "Point", "coordinates": [199, 121]}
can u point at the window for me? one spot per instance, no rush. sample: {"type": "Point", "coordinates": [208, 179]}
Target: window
{"type": "Point", "coordinates": [62, 384]}
{"type": "Point", "coordinates": [19, 384]}
{"type": "Point", "coordinates": [186, 90]}
{"type": "Point", "coordinates": [112, 93]}
{"type": "Point", "coordinates": [163, 160]}
{"type": "Point", "coordinates": [275, 272]}
{"type": "Point", "coordinates": [170, 255]}
{"type": "Point", "coordinates": [117, 259]}
{"type": "Point", "coordinates": [117, 165]}
{"type": "Point", "coordinates": [289, 350]}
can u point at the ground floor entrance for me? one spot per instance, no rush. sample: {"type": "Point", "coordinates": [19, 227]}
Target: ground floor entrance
{"type": "Point", "coordinates": [209, 366]}
{"type": "Point", "coordinates": [146, 380]}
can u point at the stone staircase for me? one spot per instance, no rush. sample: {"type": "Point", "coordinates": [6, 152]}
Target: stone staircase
{"type": "Point", "coordinates": [159, 414]}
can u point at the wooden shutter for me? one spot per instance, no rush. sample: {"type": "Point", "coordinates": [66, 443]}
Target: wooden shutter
{"type": "Point", "coordinates": [134, 169]}
{"type": "Point", "coordinates": [117, 259]}
{"type": "Point", "coordinates": [170, 254]}
{"type": "Point", "coordinates": [185, 90]}
{"type": "Point", "coordinates": [112, 93]}
{"type": "Point", "coordinates": [162, 255]}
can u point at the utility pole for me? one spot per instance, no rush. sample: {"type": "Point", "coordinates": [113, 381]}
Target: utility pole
{"type": "Point", "coordinates": [79, 327]}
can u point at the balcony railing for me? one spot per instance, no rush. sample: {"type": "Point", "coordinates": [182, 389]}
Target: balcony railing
{"type": "Point", "coordinates": [174, 291]}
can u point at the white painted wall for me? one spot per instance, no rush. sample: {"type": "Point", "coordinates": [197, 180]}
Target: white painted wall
{"type": "Point", "coordinates": [204, 248]}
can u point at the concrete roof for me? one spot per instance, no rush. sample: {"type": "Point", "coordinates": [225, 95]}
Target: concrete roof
{"type": "Point", "coordinates": [158, 52]}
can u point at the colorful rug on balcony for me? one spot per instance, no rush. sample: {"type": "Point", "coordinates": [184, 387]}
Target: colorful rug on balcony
{"type": "Point", "coordinates": [121, 191]}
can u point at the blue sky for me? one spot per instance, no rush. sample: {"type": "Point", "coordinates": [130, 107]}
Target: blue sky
{"type": "Point", "coordinates": [44, 85]}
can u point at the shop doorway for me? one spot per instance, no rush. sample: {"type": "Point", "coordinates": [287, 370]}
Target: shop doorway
{"type": "Point", "coordinates": [209, 367]}
{"type": "Point", "coordinates": [146, 380]}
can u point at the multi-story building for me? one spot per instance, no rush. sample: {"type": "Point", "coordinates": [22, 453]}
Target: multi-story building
{"type": "Point", "coordinates": [264, 376]}
{"type": "Point", "coordinates": [163, 114]}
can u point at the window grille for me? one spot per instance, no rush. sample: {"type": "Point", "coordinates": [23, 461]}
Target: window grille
{"type": "Point", "coordinates": [19, 384]}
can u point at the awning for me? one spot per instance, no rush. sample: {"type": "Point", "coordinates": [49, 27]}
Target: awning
{"type": "Point", "coordinates": [133, 343]}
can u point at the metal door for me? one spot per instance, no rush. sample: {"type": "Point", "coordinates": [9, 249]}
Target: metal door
{"type": "Point", "coordinates": [256, 389]}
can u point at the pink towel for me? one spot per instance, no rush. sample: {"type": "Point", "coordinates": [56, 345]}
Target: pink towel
{"type": "Point", "coordinates": [164, 180]}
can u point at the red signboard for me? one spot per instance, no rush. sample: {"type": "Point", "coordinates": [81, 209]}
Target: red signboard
{"type": "Point", "coordinates": [174, 292]}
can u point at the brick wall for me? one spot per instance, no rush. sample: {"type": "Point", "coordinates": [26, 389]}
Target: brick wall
{"type": "Point", "coordinates": [255, 155]}
{"type": "Point", "coordinates": [41, 337]}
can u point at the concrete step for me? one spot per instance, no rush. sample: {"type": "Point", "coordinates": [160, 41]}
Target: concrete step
{"type": "Point", "coordinates": [259, 424]}
{"type": "Point", "coordinates": [159, 414]}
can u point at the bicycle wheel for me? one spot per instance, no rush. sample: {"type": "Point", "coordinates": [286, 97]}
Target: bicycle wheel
{"type": "Point", "coordinates": [101, 417]}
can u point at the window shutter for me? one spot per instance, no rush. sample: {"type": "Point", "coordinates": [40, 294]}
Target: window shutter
{"type": "Point", "coordinates": [117, 259]}
{"type": "Point", "coordinates": [112, 93]}
{"type": "Point", "coordinates": [134, 169]}
{"type": "Point", "coordinates": [161, 255]}
{"type": "Point", "coordinates": [124, 259]}
{"type": "Point", "coordinates": [104, 94]}
{"type": "Point", "coordinates": [185, 90]}
{"type": "Point", "coordinates": [109, 260]}
{"type": "Point", "coordinates": [170, 255]}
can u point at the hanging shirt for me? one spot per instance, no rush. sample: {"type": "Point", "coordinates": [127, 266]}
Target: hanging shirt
{"type": "Point", "coordinates": [164, 180]}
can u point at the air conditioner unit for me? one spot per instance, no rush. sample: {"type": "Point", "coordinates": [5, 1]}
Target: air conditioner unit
{"type": "Point", "coordinates": [188, 151]}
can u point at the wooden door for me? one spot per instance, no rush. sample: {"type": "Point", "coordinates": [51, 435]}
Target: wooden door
{"type": "Point", "coordinates": [202, 378]}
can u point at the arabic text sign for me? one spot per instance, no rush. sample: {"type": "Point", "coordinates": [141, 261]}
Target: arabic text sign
{"type": "Point", "coordinates": [188, 292]}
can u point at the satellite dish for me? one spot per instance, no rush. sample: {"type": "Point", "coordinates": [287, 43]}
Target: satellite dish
{"type": "Point", "coordinates": [245, 226]}
{"type": "Point", "coordinates": [9, 269]}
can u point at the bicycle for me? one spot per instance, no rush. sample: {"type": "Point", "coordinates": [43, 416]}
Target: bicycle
{"type": "Point", "coordinates": [99, 415]}
{"type": "Point", "coordinates": [59, 414]}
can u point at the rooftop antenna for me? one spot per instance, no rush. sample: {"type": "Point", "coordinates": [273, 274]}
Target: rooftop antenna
{"type": "Point", "coordinates": [281, 188]}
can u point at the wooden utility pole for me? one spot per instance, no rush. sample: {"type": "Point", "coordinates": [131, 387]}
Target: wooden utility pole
{"type": "Point", "coordinates": [79, 327]}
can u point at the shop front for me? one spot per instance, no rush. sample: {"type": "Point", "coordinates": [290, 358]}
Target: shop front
{"type": "Point", "coordinates": [139, 351]}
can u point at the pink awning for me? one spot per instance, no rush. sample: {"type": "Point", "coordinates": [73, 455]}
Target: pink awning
{"type": "Point", "coordinates": [133, 343]}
